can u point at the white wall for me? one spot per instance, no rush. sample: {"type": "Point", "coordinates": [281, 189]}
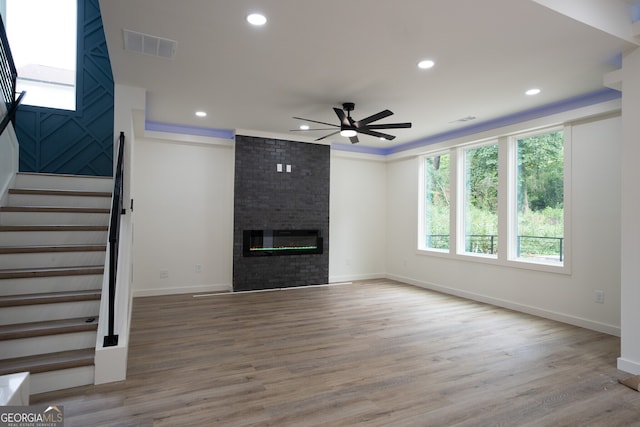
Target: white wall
{"type": "Point", "coordinates": [183, 207]}
{"type": "Point", "coordinates": [596, 245]}
{"type": "Point", "coordinates": [8, 159]}
{"type": "Point", "coordinates": [630, 355]}
{"type": "Point", "coordinates": [357, 217]}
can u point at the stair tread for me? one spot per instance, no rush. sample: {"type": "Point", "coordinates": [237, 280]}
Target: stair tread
{"type": "Point", "coordinates": [50, 297]}
{"type": "Point", "coordinates": [63, 175]}
{"type": "Point", "coordinates": [54, 209]}
{"type": "Point", "coordinates": [52, 248]}
{"type": "Point", "coordinates": [49, 362]}
{"type": "Point", "coordinates": [51, 271]}
{"type": "Point", "coordinates": [53, 192]}
{"type": "Point", "coordinates": [53, 227]}
{"type": "Point", "coordinates": [49, 327]}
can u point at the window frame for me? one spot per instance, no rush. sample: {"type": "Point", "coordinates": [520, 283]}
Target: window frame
{"type": "Point", "coordinates": [77, 83]}
{"type": "Point", "coordinates": [422, 205]}
{"type": "Point", "coordinates": [462, 203]}
{"type": "Point", "coordinates": [507, 198]}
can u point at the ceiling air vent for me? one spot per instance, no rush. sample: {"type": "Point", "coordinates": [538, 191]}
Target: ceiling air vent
{"type": "Point", "coordinates": [149, 45]}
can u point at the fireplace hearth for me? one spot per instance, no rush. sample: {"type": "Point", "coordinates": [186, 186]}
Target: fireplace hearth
{"type": "Point", "coordinates": [281, 242]}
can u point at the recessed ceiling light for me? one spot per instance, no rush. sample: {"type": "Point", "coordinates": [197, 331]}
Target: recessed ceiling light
{"type": "Point", "coordinates": [201, 114]}
{"type": "Point", "coordinates": [533, 91]}
{"type": "Point", "coordinates": [304, 127]}
{"type": "Point", "coordinates": [256, 19]}
{"type": "Point", "coordinates": [427, 63]}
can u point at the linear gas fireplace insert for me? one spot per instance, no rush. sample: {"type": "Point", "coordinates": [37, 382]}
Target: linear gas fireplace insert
{"type": "Point", "coordinates": [281, 242]}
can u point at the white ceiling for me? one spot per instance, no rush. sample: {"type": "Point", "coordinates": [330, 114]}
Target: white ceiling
{"type": "Point", "coordinates": [312, 56]}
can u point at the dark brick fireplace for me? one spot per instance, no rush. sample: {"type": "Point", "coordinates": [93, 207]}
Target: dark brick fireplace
{"type": "Point", "coordinates": [283, 186]}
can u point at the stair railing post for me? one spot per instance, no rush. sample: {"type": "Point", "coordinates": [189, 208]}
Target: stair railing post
{"type": "Point", "coordinates": [111, 339]}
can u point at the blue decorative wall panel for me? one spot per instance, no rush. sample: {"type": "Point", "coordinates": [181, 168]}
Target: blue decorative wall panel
{"type": "Point", "coordinates": [75, 142]}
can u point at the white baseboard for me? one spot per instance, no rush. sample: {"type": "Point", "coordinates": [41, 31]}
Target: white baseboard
{"type": "Point", "coordinates": [222, 287]}
{"type": "Point", "coordinates": [628, 366]}
{"type": "Point", "coordinates": [353, 277]}
{"type": "Point", "coordinates": [523, 308]}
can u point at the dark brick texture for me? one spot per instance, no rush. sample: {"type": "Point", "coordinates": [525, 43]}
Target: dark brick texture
{"type": "Point", "coordinates": [265, 199]}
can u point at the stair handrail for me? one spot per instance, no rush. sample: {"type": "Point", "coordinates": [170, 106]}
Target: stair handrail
{"type": "Point", "coordinates": [8, 81]}
{"type": "Point", "coordinates": [111, 339]}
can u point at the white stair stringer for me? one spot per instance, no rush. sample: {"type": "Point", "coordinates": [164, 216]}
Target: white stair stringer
{"type": "Point", "coordinates": [52, 235]}
{"type": "Point", "coordinates": [61, 379]}
{"type": "Point", "coordinates": [45, 216]}
{"type": "Point", "coordinates": [63, 182]}
{"type": "Point", "coordinates": [44, 312]}
{"type": "Point", "coordinates": [59, 200]}
{"type": "Point", "coordinates": [52, 216]}
{"type": "Point", "coordinates": [51, 259]}
{"type": "Point", "coordinates": [50, 284]}
{"type": "Point", "coordinates": [53, 343]}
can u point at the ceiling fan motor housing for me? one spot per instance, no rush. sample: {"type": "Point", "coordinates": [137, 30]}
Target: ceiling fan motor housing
{"type": "Point", "coordinates": [348, 106]}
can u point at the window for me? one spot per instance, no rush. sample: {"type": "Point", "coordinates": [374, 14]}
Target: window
{"type": "Point", "coordinates": [499, 201]}
{"type": "Point", "coordinates": [42, 35]}
{"type": "Point", "coordinates": [480, 202]}
{"type": "Point", "coordinates": [539, 207]}
{"type": "Point", "coordinates": [436, 203]}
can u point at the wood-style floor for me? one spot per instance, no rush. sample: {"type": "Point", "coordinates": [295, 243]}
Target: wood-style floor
{"type": "Point", "coordinates": [372, 353]}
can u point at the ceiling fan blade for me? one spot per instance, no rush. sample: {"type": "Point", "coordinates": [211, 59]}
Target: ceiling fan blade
{"type": "Point", "coordinates": [389, 126]}
{"type": "Point", "coordinates": [376, 134]}
{"type": "Point", "coordinates": [354, 139]}
{"type": "Point", "coordinates": [307, 130]}
{"type": "Point", "coordinates": [344, 120]}
{"type": "Point", "coordinates": [327, 136]}
{"type": "Point", "coordinates": [315, 121]}
{"type": "Point", "coordinates": [377, 116]}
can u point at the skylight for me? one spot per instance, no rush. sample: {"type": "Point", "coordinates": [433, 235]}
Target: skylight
{"type": "Point", "coordinates": [42, 35]}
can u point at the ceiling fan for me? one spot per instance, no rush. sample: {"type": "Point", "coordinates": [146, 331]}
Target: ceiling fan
{"type": "Point", "coordinates": [350, 128]}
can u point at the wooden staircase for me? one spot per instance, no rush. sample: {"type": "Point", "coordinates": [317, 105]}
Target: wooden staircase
{"type": "Point", "coordinates": [53, 237]}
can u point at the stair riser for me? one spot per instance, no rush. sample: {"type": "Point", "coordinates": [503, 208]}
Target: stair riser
{"type": "Point", "coordinates": [64, 182]}
{"type": "Point", "coordinates": [59, 380]}
{"type": "Point", "coordinates": [39, 285]}
{"type": "Point", "coordinates": [25, 238]}
{"type": "Point", "coordinates": [44, 312]}
{"type": "Point", "coordinates": [52, 218]}
{"type": "Point", "coordinates": [51, 200]}
{"type": "Point", "coordinates": [51, 259]}
{"type": "Point", "coordinates": [48, 344]}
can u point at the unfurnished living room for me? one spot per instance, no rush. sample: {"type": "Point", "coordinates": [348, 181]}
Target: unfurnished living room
{"type": "Point", "coordinates": [295, 213]}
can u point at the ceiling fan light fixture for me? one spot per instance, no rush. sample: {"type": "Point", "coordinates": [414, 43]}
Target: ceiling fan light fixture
{"type": "Point", "coordinates": [348, 133]}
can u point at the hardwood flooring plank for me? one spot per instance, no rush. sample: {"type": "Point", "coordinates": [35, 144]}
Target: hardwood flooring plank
{"type": "Point", "coordinates": [372, 353]}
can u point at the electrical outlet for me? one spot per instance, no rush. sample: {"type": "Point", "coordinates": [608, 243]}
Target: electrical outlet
{"type": "Point", "coordinates": [598, 296]}
{"type": "Point", "coordinates": [198, 268]}
{"type": "Point", "coordinates": [164, 274]}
